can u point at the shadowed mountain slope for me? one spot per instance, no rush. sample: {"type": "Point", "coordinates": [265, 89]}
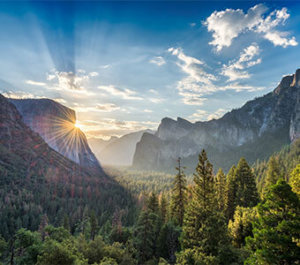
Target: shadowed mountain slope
{"type": "Point", "coordinates": [36, 180]}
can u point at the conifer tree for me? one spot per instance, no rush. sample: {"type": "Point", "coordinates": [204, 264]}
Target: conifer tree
{"type": "Point", "coordinates": [94, 225]}
{"type": "Point", "coordinates": [204, 227]}
{"type": "Point", "coordinates": [220, 187]}
{"type": "Point", "coordinates": [230, 193]}
{"type": "Point", "coordinates": [145, 236]}
{"type": "Point", "coordinates": [273, 173]}
{"type": "Point", "coordinates": [276, 233]}
{"type": "Point", "coordinates": [247, 195]}
{"type": "Point", "coordinates": [152, 204]}
{"type": "Point", "coordinates": [179, 195]}
{"type": "Point", "coordinates": [163, 205]}
{"type": "Point", "coordinates": [295, 180]}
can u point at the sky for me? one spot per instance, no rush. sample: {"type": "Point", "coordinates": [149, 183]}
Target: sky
{"type": "Point", "coordinates": [123, 66]}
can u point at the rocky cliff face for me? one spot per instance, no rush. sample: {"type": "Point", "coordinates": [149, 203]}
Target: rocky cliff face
{"type": "Point", "coordinates": [26, 148]}
{"type": "Point", "coordinates": [255, 130]}
{"type": "Point", "coordinates": [55, 124]}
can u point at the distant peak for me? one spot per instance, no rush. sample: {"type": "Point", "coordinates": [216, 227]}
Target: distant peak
{"type": "Point", "coordinates": [288, 81]}
{"type": "Point", "coordinates": [167, 120]}
{"type": "Point", "coordinates": [296, 79]}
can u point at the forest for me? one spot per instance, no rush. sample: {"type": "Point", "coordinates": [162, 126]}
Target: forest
{"type": "Point", "coordinates": [251, 215]}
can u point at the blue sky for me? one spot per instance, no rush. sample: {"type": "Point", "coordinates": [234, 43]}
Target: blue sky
{"type": "Point", "coordinates": [123, 66]}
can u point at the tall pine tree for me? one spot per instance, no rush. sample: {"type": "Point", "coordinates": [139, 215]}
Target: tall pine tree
{"type": "Point", "coordinates": [220, 187]}
{"type": "Point", "coordinates": [204, 227]}
{"type": "Point", "coordinates": [230, 193]}
{"type": "Point", "coordinates": [179, 196]}
{"type": "Point", "coordinates": [273, 173]}
{"type": "Point", "coordinates": [247, 195]}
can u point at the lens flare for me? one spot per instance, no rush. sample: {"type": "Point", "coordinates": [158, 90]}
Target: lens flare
{"type": "Point", "coordinates": [77, 125]}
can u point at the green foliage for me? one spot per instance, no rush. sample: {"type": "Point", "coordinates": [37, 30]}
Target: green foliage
{"type": "Point", "coordinates": [3, 246]}
{"type": "Point", "coordinates": [287, 158]}
{"type": "Point", "coordinates": [205, 238]}
{"type": "Point", "coordinates": [276, 233]}
{"type": "Point", "coordinates": [241, 225]}
{"type": "Point", "coordinates": [168, 241]}
{"type": "Point", "coordinates": [295, 180]}
{"type": "Point", "coordinates": [220, 188]}
{"type": "Point", "coordinates": [27, 247]}
{"type": "Point", "coordinates": [246, 195]}
{"type": "Point", "coordinates": [146, 235]}
{"type": "Point", "coordinates": [273, 173]}
{"type": "Point", "coordinates": [178, 197]}
{"type": "Point", "coordinates": [230, 193]}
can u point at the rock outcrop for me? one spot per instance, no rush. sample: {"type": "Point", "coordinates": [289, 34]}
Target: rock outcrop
{"type": "Point", "coordinates": [55, 123]}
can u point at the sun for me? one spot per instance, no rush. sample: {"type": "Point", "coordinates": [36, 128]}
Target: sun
{"type": "Point", "coordinates": [77, 125]}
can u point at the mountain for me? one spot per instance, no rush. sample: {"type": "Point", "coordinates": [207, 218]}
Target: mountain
{"type": "Point", "coordinates": [256, 130]}
{"type": "Point", "coordinates": [98, 144]}
{"type": "Point", "coordinates": [55, 123]}
{"type": "Point", "coordinates": [35, 180]}
{"type": "Point", "coordinates": [117, 151]}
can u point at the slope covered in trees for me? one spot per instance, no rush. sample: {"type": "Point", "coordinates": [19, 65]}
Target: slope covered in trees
{"type": "Point", "coordinates": [219, 219]}
{"type": "Point", "coordinates": [37, 181]}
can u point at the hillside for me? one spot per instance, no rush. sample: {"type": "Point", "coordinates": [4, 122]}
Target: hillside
{"type": "Point", "coordinates": [36, 180]}
{"type": "Point", "coordinates": [256, 130]}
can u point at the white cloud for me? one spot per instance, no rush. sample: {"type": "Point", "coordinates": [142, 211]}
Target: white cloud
{"type": "Point", "coordinates": [192, 87]}
{"type": "Point", "coordinates": [229, 24]}
{"type": "Point", "coordinates": [108, 126]}
{"type": "Point", "coordinates": [108, 107]}
{"type": "Point", "coordinates": [93, 74]}
{"type": "Point", "coordinates": [148, 110]}
{"type": "Point", "coordinates": [198, 83]}
{"type": "Point", "coordinates": [156, 100]}
{"type": "Point", "coordinates": [193, 24]}
{"type": "Point", "coordinates": [158, 60]}
{"type": "Point", "coordinates": [236, 69]}
{"type": "Point", "coordinates": [123, 93]}
{"type": "Point", "coordinates": [19, 95]}
{"type": "Point", "coordinates": [34, 83]}
{"type": "Point", "coordinates": [69, 80]}
{"type": "Point", "coordinates": [203, 115]}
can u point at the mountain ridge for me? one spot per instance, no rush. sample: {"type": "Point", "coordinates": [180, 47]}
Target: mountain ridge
{"type": "Point", "coordinates": [272, 116]}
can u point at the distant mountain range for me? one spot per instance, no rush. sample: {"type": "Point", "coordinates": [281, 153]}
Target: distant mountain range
{"type": "Point", "coordinates": [117, 151]}
{"type": "Point", "coordinates": [256, 130]}
{"type": "Point", "coordinates": [55, 124]}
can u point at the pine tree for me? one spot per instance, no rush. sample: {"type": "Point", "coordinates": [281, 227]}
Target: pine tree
{"type": "Point", "coordinates": [145, 236]}
{"type": "Point", "coordinates": [295, 180]}
{"type": "Point", "coordinates": [203, 191]}
{"type": "Point", "coordinates": [152, 204]}
{"type": "Point", "coordinates": [220, 187]}
{"type": "Point", "coordinates": [247, 195]}
{"type": "Point", "coordinates": [204, 227]}
{"type": "Point", "coordinates": [43, 224]}
{"type": "Point", "coordinates": [276, 233]}
{"type": "Point", "coordinates": [230, 193]}
{"type": "Point", "coordinates": [163, 205]}
{"type": "Point", "coordinates": [273, 173]}
{"type": "Point", "coordinates": [179, 195]}
{"type": "Point", "coordinates": [94, 225]}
